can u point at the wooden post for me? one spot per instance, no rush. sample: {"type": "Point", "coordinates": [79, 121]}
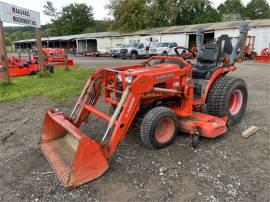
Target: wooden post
{"type": "Point", "coordinates": [3, 54]}
{"type": "Point", "coordinates": [29, 54]}
{"type": "Point", "coordinates": [40, 52]}
{"type": "Point", "coordinates": [66, 59]}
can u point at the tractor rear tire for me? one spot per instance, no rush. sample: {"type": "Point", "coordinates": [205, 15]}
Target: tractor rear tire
{"type": "Point", "coordinates": [158, 127]}
{"type": "Point", "coordinates": [228, 97]}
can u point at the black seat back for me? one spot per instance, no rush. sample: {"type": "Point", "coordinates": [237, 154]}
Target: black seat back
{"type": "Point", "coordinates": [210, 53]}
{"type": "Point", "coordinates": [225, 46]}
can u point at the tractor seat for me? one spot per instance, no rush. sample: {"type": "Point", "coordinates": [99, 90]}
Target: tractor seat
{"type": "Point", "coordinates": [207, 62]}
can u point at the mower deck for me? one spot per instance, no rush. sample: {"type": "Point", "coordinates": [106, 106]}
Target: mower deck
{"type": "Point", "coordinates": [203, 125]}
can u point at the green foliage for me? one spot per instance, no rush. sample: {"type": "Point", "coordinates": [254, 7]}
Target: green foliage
{"type": "Point", "coordinates": [129, 15]}
{"type": "Point", "coordinates": [50, 10]}
{"type": "Point", "coordinates": [194, 12]}
{"type": "Point", "coordinates": [72, 19]}
{"type": "Point", "coordinates": [60, 85]}
{"type": "Point", "coordinates": [235, 7]}
{"type": "Point", "coordinates": [258, 9]}
{"type": "Point", "coordinates": [132, 15]}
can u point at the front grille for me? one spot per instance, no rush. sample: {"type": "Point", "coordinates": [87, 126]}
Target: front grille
{"type": "Point", "coordinates": [123, 51]}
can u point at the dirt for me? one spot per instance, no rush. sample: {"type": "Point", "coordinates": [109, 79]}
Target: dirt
{"type": "Point", "coordinates": [228, 168]}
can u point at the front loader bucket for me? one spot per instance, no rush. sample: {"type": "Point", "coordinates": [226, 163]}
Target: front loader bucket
{"type": "Point", "coordinates": [75, 157]}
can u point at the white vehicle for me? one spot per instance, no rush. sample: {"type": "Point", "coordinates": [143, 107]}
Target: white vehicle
{"type": "Point", "coordinates": [140, 50]}
{"type": "Point", "coordinates": [162, 48]}
{"type": "Point", "coordinates": [115, 52]}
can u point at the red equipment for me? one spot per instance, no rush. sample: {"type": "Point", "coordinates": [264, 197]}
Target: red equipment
{"type": "Point", "coordinates": [248, 49]}
{"type": "Point", "coordinates": [163, 95]}
{"type": "Point", "coordinates": [55, 56]}
{"type": "Point", "coordinates": [19, 67]}
{"type": "Point", "coordinates": [265, 56]}
{"type": "Point", "coordinates": [96, 53]}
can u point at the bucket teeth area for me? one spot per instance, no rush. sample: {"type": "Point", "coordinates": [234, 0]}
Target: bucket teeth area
{"type": "Point", "coordinates": [75, 157]}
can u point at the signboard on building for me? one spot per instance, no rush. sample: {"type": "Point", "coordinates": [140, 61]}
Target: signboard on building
{"type": "Point", "coordinates": [18, 15]}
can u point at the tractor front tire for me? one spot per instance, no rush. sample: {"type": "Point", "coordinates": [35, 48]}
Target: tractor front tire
{"type": "Point", "coordinates": [228, 97]}
{"type": "Point", "coordinates": [158, 128]}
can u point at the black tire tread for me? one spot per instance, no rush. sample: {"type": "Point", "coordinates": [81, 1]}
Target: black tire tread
{"type": "Point", "coordinates": [147, 124]}
{"type": "Point", "coordinates": [216, 100]}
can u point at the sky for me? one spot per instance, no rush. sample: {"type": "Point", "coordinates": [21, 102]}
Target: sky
{"type": "Point", "coordinates": [98, 6]}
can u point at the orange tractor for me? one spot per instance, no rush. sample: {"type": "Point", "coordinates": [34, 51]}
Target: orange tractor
{"type": "Point", "coordinates": [165, 95]}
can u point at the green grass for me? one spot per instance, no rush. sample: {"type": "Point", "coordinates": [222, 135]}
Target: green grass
{"type": "Point", "coordinates": [60, 85]}
{"type": "Point", "coordinates": [9, 49]}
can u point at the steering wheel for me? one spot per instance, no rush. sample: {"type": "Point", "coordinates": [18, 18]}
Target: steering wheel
{"type": "Point", "coordinates": [184, 54]}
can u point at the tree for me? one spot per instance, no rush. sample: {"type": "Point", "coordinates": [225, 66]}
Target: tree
{"type": "Point", "coordinates": [232, 7]}
{"type": "Point", "coordinates": [50, 10]}
{"type": "Point", "coordinates": [194, 12]}
{"type": "Point", "coordinates": [159, 13]}
{"type": "Point", "coordinates": [72, 19]}
{"type": "Point", "coordinates": [129, 15]}
{"type": "Point", "coordinates": [258, 9]}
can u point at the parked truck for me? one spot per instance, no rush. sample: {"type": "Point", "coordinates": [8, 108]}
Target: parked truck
{"type": "Point", "coordinates": [115, 52]}
{"type": "Point", "coordinates": [162, 48]}
{"type": "Point", "coordinates": [140, 50]}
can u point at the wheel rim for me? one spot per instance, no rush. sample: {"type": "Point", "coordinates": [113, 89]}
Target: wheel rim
{"type": "Point", "coordinates": [236, 102]}
{"type": "Point", "coordinates": [133, 56]}
{"type": "Point", "coordinates": [164, 130]}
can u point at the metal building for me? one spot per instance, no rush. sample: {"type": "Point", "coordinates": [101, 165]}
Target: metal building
{"type": "Point", "coordinates": [183, 35]}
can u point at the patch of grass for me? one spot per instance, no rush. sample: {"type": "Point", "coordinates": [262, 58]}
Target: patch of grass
{"type": "Point", "coordinates": [60, 85]}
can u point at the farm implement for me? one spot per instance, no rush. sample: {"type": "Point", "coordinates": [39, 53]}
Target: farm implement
{"type": "Point", "coordinates": [163, 95]}
{"type": "Point", "coordinates": [55, 56]}
{"type": "Point", "coordinates": [19, 67]}
{"type": "Point", "coordinates": [264, 56]}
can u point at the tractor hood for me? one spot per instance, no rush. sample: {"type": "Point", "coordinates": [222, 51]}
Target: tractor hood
{"type": "Point", "coordinates": [156, 69]}
{"type": "Point", "coordinates": [161, 71]}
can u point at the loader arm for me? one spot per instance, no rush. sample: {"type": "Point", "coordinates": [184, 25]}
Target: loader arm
{"type": "Point", "coordinates": [75, 156]}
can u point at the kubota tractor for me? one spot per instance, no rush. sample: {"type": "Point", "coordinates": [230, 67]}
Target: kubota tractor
{"type": "Point", "coordinates": [165, 95]}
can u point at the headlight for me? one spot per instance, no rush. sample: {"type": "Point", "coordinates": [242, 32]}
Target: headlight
{"type": "Point", "coordinates": [128, 79]}
{"type": "Point", "coordinates": [119, 78]}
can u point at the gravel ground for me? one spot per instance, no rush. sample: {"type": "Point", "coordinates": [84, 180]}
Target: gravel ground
{"type": "Point", "coordinates": [95, 62]}
{"type": "Point", "coordinates": [228, 168]}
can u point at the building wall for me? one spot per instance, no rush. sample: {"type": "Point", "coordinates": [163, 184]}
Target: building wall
{"type": "Point", "coordinates": [117, 40]}
{"type": "Point", "coordinates": [104, 44]}
{"type": "Point", "coordinates": [81, 46]}
{"type": "Point", "coordinates": [181, 39]}
{"type": "Point", "coordinates": [262, 36]}
{"type": "Point", "coordinates": [132, 39]}
{"type": "Point", "coordinates": [87, 45]}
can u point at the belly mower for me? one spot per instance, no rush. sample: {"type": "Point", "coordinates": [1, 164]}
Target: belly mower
{"type": "Point", "coordinates": [164, 94]}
